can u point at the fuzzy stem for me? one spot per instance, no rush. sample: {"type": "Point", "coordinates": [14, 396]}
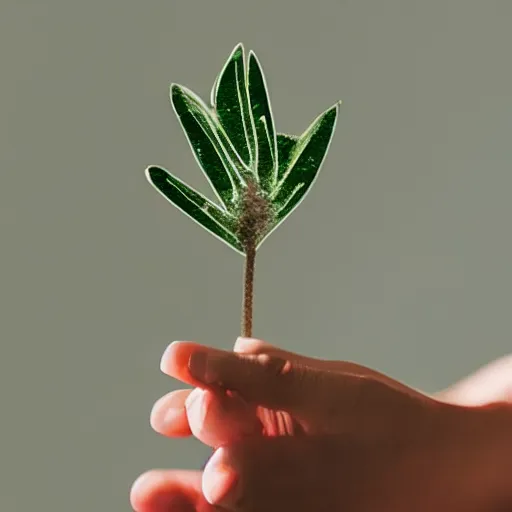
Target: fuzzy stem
{"type": "Point", "coordinates": [248, 295]}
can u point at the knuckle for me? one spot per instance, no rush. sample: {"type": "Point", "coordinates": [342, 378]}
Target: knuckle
{"type": "Point", "coordinates": [272, 365]}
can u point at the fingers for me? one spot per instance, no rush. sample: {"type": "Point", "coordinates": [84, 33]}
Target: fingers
{"type": "Point", "coordinates": [169, 490]}
{"type": "Point", "coordinates": [279, 383]}
{"type": "Point", "coordinates": [169, 413]}
{"type": "Point", "coordinates": [177, 355]}
{"type": "Point", "coordinates": [271, 382]}
{"type": "Point", "coordinates": [215, 418]}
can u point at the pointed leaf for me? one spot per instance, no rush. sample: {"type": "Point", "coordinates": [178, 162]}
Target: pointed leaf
{"type": "Point", "coordinates": [231, 101]}
{"type": "Point", "coordinates": [209, 144]}
{"type": "Point", "coordinates": [200, 209]}
{"type": "Point", "coordinates": [305, 163]}
{"type": "Point", "coordinates": [285, 146]}
{"type": "Point", "coordinates": [263, 121]}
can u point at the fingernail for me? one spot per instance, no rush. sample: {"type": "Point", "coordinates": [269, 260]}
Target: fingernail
{"type": "Point", "coordinates": [219, 480]}
{"type": "Point", "coordinates": [241, 343]}
{"type": "Point", "coordinates": [193, 397]}
{"type": "Point", "coordinates": [199, 368]}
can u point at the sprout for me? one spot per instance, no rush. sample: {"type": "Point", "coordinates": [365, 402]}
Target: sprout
{"type": "Point", "coordinates": [259, 176]}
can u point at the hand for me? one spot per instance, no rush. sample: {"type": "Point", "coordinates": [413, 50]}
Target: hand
{"type": "Point", "coordinates": [188, 484]}
{"type": "Point", "coordinates": [187, 412]}
{"type": "Point", "coordinates": [218, 420]}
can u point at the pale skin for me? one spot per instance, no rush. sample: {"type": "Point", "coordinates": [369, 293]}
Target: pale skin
{"type": "Point", "coordinates": [298, 434]}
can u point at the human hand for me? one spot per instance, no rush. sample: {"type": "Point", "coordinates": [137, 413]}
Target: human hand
{"type": "Point", "coordinates": [216, 419]}
{"type": "Point", "coordinates": [315, 422]}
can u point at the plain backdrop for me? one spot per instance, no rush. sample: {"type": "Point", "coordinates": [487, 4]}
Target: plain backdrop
{"type": "Point", "coordinates": [399, 258]}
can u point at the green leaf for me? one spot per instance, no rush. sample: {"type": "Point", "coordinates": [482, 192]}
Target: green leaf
{"type": "Point", "coordinates": [235, 141]}
{"type": "Point", "coordinates": [210, 145]}
{"type": "Point", "coordinates": [285, 146]}
{"type": "Point", "coordinates": [231, 101]}
{"type": "Point", "coordinates": [266, 162]}
{"type": "Point", "coordinates": [200, 209]}
{"type": "Point", "coordinates": [304, 164]}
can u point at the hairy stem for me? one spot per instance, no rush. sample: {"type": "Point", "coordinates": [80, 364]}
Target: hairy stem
{"type": "Point", "coordinates": [248, 294]}
{"type": "Point", "coordinates": [253, 220]}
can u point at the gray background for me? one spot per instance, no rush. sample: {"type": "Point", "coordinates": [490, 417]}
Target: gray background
{"type": "Point", "coordinates": [400, 258]}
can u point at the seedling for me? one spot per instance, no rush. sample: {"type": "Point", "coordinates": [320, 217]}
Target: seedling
{"type": "Point", "coordinates": [259, 175]}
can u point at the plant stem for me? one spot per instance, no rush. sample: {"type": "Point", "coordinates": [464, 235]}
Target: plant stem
{"type": "Point", "coordinates": [248, 294]}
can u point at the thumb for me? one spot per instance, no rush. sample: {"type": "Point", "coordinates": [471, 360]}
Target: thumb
{"type": "Point", "coordinates": [273, 382]}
